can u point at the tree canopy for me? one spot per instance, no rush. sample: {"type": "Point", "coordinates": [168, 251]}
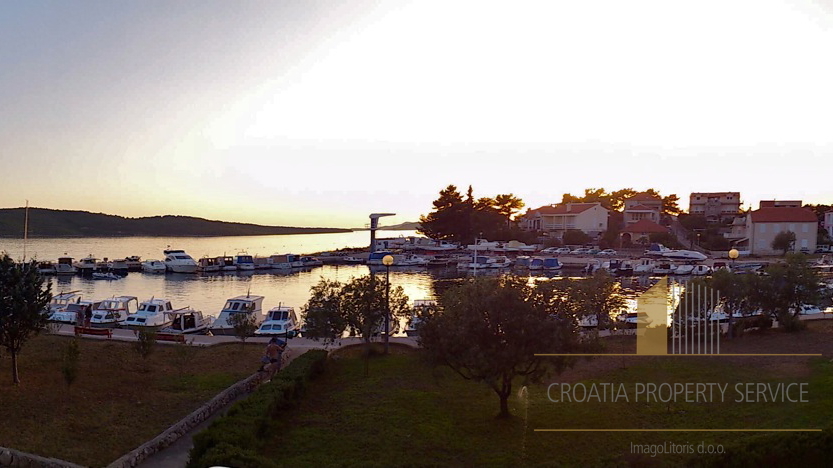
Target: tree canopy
{"type": "Point", "coordinates": [461, 219]}
{"type": "Point", "coordinates": [489, 330]}
{"type": "Point", "coordinates": [357, 307]}
{"type": "Point", "coordinates": [23, 306]}
{"type": "Point", "coordinates": [783, 241]}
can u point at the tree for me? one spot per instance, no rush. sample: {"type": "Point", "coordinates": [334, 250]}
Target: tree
{"type": "Point", "coordinates": [670, 206]}
{"type": "Point", "coordinates": [489, 330]}
{"type": "Point", "coordinates": [617, 198]}
{"type": "Point", "coordinates": [736, 294]}
{"type": "Point", "coordinates": [575, 237]}
{"type": "Point", "coordinates": [244, 325]}
{"type": "Point", "coordinates": [69, 362]}
{"type": "Point", "coordinates": [357, 307]}
{"type": "Point", "coordinates": [23, 306]}
{"type": "Point", "coordinates": [784, 241]}
{"type": "Point", "coordinates": [443, 222]}
{"type": "Point", "coordinates": [508, 205]}
{"type": "Point", "coordinates": [786, 288]}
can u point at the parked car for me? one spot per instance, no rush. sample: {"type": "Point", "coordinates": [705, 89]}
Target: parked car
{"type": "Point", "coordinates": [593, 251]}
{"type": "Point", "coordinates": [580, 251]}
{"type": "Point", "coordinates": [607, 252]}
{"type": "Point", "coordinates": [823, 249]}
{"type": "Point", "coordinates": [563, 250]}
{"type": "Point", "coordinates": [550, 250]}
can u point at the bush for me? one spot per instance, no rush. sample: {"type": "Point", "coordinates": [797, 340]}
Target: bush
{"type": "Point", "coordinates": [236, 438]}
{"type": "Point", "coordinates": [745, 323]}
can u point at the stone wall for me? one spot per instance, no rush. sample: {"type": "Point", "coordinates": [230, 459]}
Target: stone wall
{"type": "Point", "coordinates": [179, 429]}
{"type": "Point", "coordinates": [14, 458]}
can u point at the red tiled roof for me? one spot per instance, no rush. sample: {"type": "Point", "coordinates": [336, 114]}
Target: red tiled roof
{"type": "Point", "coordinates": [645, 225]}
{"type": "Point", "coordinates": [780, 215]}
{"type": "Point", "coordinates": [644, 196]}
{"type": "Point", "coordinates": [570, 208]}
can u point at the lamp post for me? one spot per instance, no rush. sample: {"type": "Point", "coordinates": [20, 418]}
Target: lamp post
{"type": "Point", "coordinates": [733, 254]}
{"type": "Point", "coordinates": [387, 260]}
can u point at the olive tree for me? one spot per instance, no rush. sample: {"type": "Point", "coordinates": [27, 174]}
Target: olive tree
{"type": "Point", "coordinates": [783, 241]}
{"type": "Point", "coordinates": [23, 306]}
{"type": "Point", "coordinates": [490, 329]}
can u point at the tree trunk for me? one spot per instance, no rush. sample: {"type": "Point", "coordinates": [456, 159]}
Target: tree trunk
{"type": "Point", "coordinates": [15, 375]}
{"type": "Point", "coordinates": [504, 405]}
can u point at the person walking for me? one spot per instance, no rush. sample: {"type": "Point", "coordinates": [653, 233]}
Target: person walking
{"type": "Point", "coordinates": [274, 352]}
{"type": "Point", "coordinates": [88, 315]}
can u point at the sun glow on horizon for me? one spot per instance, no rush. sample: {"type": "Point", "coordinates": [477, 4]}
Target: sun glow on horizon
{"type": "Point", "coordinates": [317, 114]}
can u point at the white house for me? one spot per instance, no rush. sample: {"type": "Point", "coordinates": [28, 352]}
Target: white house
{"type": "Point", "coordinates": [764, 224]}
{"type": "Point", "coordinates": [642, 206]}
{"type": "Point", "coordinates": [588, 217]}
{"type": "Point", "coordinates": [714, 206]}
{"type": "Point", "coordinates": [828, 223]}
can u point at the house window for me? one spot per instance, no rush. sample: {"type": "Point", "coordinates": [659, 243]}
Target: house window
{"type": "Point", "coordinates": [776, 227]}
{"type": "Point", "coordinates": [803, 243]}
{"type": "Point", "coordinates": [762, 229]}
{"type": "Point", "coordinates": [792, 227]}
{"type": "Point", "coordinates": [805, 228]}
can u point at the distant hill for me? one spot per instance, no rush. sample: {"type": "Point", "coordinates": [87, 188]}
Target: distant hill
{"type": "Point", "coordinates": [61, 223]}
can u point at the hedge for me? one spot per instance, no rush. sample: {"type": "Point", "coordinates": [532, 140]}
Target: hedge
{"type": "Point", "coordinates": [236, 438]}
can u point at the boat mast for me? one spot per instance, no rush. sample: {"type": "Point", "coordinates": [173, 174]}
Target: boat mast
{"type": "Point", "coordinates": [25, 229]}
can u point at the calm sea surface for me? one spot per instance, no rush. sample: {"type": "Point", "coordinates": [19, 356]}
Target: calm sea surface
{"type": "Point", "coordinates": [208, 292]}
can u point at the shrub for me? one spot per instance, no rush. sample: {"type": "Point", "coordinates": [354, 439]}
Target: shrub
{"type": "Point", "coordinates": [235, 439]}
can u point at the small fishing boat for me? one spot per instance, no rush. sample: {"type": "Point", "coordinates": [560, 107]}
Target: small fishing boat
{"type": "Point", "coordinates": [280, 321]}
{"type": "Point", "coordinates": [46, 268]}
{"type": "Point", "coordinates": [244, 262]}
{"type": "Point", "coordinates": [226, 263]}
{"type": "Point", "coordinates": [65, 266]}
{"type": "Point", "coordinates": [248, 304]}
{"type": "Point", "coordinates": [186, 321]}
{"type": "Point", "coordinates": [113, 311]}
{"type": "Point", "coordinates": [106, 276]}
{"type": "Point", "coordinates": [208, 265]}
{"type": "Point", "coordinates": [153, 314]}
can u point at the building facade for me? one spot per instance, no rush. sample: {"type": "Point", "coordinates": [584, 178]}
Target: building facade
{"type": "Point", "coordinates": [591, 218]}
{"type": "Point", "coordinates": [764, 224]}
{"type": "Point", "coordinates": [828, 223]}
{"type": "Point", "coordinates": [715, 206]}
{"type": "Point", "coordinates": [642, 206]}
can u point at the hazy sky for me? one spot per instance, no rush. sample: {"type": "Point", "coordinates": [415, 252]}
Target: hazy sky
{"type": "Point", "coordinates": [316, 113]}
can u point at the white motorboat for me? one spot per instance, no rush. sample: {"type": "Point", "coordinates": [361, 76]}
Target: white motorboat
{"type": "Point", "coordinates": [536, 263]}
{"type": "Point", "coordinates": [483, 244]}
{"type": "Point", "coordinates": [412, 260]}
{"type": "Point", "coordinates": [500, 262]}
{"type": "Point", "coordinates": [154, 266]}
{"type": "Point", "coordinates": [184, 321]}
{"type": "Point", "coordinates": [310, 262]}
{"type": "Point", "coordinates": [701, 270]}
{"type": "Point", "coordinates": [244, 262]}
{"type": "Point", "coordinates": [117, 266]}
{"type": "Point", "coordinates": [153, 314]}
{"type": "Point", "coordinates": [592, 266]}
{"type": "Point", "coordinates": [73, 312]}
{"type": "Point", "coordinates": [226, 263]}
{"type": "Point", "coordinates": [645, 266]}
{"type": "Point", "coordinates": [134, 263]}
{"type": "Point", "coordinates": [65, 266]}
{"type": "Point", "coordinates": [551, 264]}
{"type": "Point", "coordinates": [280, 321]}
{"type": "Point", "coordinates": [262, 263]}
{"type": "Point", "coordinates": [663, 268]}
{"type": "Point", "coordinates": [684, 269]}
{"type": "Point", "coordinates": [46, 268]}
{"type": "Point", "coordinates": [60, 301]}
{"type": "Point", "coordinates": [659, 250]}
{"type": "Point", "coordinates": [248, 304]}
{"type": "Point", "coordinates": [87, 265]}
{"type": "Point", "coordinates": [208, 265]}
{"type": "Point", "coordinates": [114, 311]}
{"type": "Point", "coordinates": [522, 261]}
{"type": "Point", "coordinates": [475, 263]}
{"type": "Point", "coordinates": [438, 246]}
{"type": "Point", "coordinates": [621, 268]}
{"type": "Point", "coordinates": [282, 262]}
{"type": "Point", "coordinates": [177, 261]}
{"type": "Point", "coordinates": [375, 258]}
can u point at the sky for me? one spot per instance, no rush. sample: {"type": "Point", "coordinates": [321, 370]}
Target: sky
{"type": "Point", "coordinates": [318, 113]}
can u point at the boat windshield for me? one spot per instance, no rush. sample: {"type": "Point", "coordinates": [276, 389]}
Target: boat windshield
{"type": "Point", "coordinates": [280, 315]}
{"type": "Point", "coordinates": [147, 308]}
{"type": "Point", "coordinates": [182, 257]}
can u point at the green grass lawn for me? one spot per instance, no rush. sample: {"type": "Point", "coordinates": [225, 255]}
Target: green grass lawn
{"type": "Point", "coordinates": [405, 413]}
{"type": "Point", "coordinates": [118, 401]}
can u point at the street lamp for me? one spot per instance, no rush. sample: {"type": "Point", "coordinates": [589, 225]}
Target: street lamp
{"type": "Point", "coordinates": [733, 254]}
{"type": "Point", "coordinates": [387, 260]}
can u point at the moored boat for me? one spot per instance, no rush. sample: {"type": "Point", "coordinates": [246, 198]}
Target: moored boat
{"type": "Point", "coordinates": [177, 261]}
{"type": "Point", "coordinates": [153, 314]}
{"type": "Point", "coordinates": [184, 321]}
{"type": "Point", "coordinates": [154, 266]}
{"type": "Point", "coordinates": [248, 304]}
{"type": "Point", "coordinates": [244, 262]}
{"type": "Point", "coordinates": [114, 311]}
{"type": "Point", "coordinates": [280, 321]}
{"type": "Point", "coordinates": [208, 265]}
{"type": "Point", "coordinates": [65, 266]}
